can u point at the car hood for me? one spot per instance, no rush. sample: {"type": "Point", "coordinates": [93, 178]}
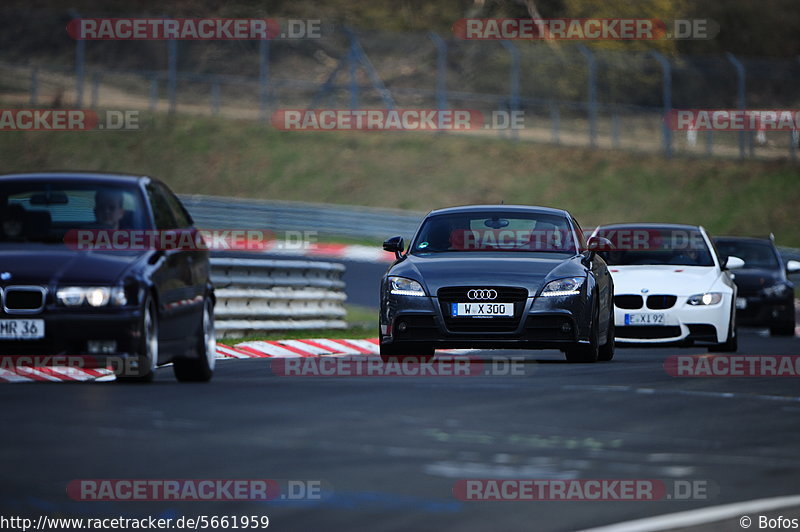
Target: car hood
{"type": "Point", "coordinates": [663, 279]}
{"type": "Point", "coordinates": [471, 269]}
{"type": "Point", "coordinates": [753, 279]}
{"type": "Point", "coordinates": [45, 265]}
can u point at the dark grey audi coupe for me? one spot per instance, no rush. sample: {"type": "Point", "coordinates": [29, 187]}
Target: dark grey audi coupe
{"type": "Point", "coordinates": [497, 277]}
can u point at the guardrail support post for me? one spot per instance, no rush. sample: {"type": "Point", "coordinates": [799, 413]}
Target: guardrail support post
{"type": "Point", "coordinates": [591, 64]}
{"type": "Point", "coordinates": [740, 95]}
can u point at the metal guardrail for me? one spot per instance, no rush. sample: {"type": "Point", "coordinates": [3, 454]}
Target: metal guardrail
{"type": "Point", "coordinates": [235, 213]}
{"type": "Point", "coordinates": [257, 296]}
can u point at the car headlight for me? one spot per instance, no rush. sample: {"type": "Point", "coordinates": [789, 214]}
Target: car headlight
{"type": "Point", "coordinates": [400, 286]}
{"type": "Point", "coordinates": [776, 290]}
{"type": "Point", "coordinates": [709, 298]}
{"type": "Point", "coordinates": [563, 287]}
{"type": "Point", "coordinates": [94, 296]}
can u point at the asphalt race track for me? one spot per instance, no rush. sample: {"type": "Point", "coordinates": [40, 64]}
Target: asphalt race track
{"type": "Point", "coordinates": [389, 449]}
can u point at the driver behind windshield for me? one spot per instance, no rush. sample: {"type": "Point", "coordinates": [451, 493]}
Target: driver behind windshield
{"type": "Point", "coordinates": [108, 209]}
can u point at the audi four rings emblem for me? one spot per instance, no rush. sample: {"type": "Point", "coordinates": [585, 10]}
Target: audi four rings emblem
{"type": "Point", "coordinates": [482, 294]}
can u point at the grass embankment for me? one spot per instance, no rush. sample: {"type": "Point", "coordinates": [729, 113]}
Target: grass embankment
{"type": "Point", "coordinates": [423, 171]}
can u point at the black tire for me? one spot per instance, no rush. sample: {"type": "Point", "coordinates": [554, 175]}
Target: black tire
{"type": "Point", "coordinates": [201, 368]}
{"type": "Point", "coordinates": [606, 352]}
{"type": "Point", "coordinates": [785, 329]}
{"type": "Point", "coordinates": [583, 353]}
{"type": "Point", "coordinates": [400, 352]}
{"type": "Point", "coordinates": [731, 343]}
{"type": "Point", "coordinates": [147, 358]}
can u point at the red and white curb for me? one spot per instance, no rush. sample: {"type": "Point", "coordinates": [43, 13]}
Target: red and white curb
{"type": "Point", "coordinates": [272, 349]}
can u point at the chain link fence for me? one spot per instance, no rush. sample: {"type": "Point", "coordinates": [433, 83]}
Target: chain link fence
{"type": "Point", "coordinates": [569, 93]}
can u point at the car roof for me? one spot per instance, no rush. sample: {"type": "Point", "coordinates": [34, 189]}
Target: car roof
{"type": "Point", "coordinates": [649, 225]}
{"type": "Point", "coordinates": [100, 177]}
{"type": "Point", "coordinates": [501, 207]}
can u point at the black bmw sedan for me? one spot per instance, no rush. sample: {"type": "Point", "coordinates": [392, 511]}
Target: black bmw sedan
{"type": "Point", "coordinates": [106, 270]}
{"type": "Point", "coordinates": [766, 295]}
{"type": "Point", "coordinates": [497, 276]}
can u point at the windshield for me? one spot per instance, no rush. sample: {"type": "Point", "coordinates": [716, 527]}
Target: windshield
{"type": "Point", "coordinates": [45, 212]}
{"type": "Point", "coordinates": [495, 231]}
{"type": "Point", "coordinates": [631, 246]}
{"type": "Point", "coordinates": [754, 254]}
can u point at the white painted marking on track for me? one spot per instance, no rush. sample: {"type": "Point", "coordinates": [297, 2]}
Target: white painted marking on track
{"type": "Point", "coordinates": [694, 393]}
{"type": "Point", "coordinates": [700, 516]}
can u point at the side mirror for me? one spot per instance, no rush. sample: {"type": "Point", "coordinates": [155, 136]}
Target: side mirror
{"type": "Point", "coordinates": [395, 245]}
{"type": "Point", "coordinates": [793, 266]}
{"type": "Point", "coordinates": [598, 243]}
{"type": "Point", "coordinates": [733, 263]}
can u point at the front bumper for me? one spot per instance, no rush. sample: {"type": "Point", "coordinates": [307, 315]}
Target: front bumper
{"type": "Point", "coordinates": [762, 311]}
{"type": "Point", "coordinates": [683, 323]}
{"type": "Point", "coordinates": [538, 323]}
{"type": "Point", "coordinates": [68, 333]}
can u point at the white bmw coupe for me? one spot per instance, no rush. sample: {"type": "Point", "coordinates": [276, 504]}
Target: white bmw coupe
{"type": "Point", "coordinates": [670, 286]}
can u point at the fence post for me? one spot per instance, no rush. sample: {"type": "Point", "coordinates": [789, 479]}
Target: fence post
{"type": "Point", "coordinates": [154, 93]}
{"type": "Point", "coordinates": [34, 85]}
{"type": "Point", "coordinates": [215, 98]}
{"type": "Point", "coordinates": [666, 99]}
{"type": "Point", "coordinates": [740, 95]}
{"type": "Point", "coordinates": [514, 82]}
{"type": "Point", "coordinates": [441, 70]}
{"type": "Point", "coordinates": [555, 121]}
{"type": "Point", "coordinates": [591, 64]}
{"type": "Point", "coordinates": [172, 74]}
{"type": "Point", "coordinates": [263, 77]}
{"type": "Point", "coordinates": [95, 89]}
{"type": "Point", "coordinates": [80, 62]}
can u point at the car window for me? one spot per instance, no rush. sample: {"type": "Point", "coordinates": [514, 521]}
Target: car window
{"type": "Point", "coordinates": [754, 254]}
{"type": "Point", "coordinates": [178, 212]}
{"type": "Point", "coordinates": [509, 231]}
{"type": "Point", "coordinates": [46, 212]}
{"type": "Point", "coordinates": [632, 246]}
{"type": "Point", "coordinates": [162, 212]}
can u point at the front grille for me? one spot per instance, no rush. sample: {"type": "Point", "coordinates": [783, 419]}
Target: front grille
{"type": "Point", "coordinates": [505, 294]}
{"type": "Point", "coordinates": [647, 332]}
{"type": "Point", "coordinates": [23, 299]}
{"type": "Point", "coordinates": [661, 302]}
{"type": "Point", "coordinates": [628, 302]}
